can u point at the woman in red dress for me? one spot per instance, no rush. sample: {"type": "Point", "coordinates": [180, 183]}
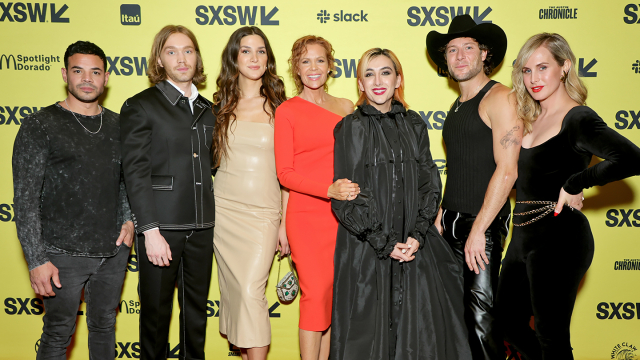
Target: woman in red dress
{"type": "Point", "coordinates": [304, 163]}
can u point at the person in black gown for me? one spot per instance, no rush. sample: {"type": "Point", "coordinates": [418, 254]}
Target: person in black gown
{"type": "Point", "coordinates": [397, 285]}
{"type": "Point", "coordinates": [549, 255]}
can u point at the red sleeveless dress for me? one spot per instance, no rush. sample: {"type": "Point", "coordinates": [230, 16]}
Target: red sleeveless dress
{"type": "Point", "coordinates": [304, 163]}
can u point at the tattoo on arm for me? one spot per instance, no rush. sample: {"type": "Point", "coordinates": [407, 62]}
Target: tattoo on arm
{"type": "Point", "coordinates": [510, 138]}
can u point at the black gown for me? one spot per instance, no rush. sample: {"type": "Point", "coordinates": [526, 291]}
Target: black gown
{"type": "Point", "coordinates": [547, 258]}
{"type": "Point", "coordinates": [384, 309]}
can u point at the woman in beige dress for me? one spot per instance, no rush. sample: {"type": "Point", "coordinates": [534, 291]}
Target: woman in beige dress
{"type": "Point", "coordinates": [248, 197]}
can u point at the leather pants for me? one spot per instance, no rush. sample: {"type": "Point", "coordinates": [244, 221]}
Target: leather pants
{"type": "Point", "coordinates": [479, 290]}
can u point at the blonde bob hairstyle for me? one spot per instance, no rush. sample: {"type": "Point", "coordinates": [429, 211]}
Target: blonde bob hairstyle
{"type": "Point", "coordinates": [362, 69]}
{"type": "Point", "coordinates": [528, 108]}
{"type": "Point", "coordinates": [155, 72]}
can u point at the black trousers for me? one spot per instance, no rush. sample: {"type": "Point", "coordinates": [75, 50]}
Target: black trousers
{"type": "Point", "coordinates": [479, 290]}
{"type": "Point", "coordinates": [192, 253]}
{"type": "Point", "coordinates": [541, 274]}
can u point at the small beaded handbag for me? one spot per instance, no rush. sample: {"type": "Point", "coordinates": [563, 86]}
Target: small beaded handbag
{"type": "Point", "coordinates": [287, 288]}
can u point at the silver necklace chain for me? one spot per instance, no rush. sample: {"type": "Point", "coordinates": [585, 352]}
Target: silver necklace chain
{"type": "Point", "coordinates": [78, 120]}
{"type": "Point", "coordinates": [460, 103]}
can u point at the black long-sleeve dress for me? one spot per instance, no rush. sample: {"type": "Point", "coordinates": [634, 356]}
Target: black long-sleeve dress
{"type": "Point", "coordinates": [548, 257]}
{"type": "Point", "coordinates": [384, 309]}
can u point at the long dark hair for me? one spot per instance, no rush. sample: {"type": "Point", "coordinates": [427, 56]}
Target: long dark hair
{"type": "Point", "coordinates": [226, 98]}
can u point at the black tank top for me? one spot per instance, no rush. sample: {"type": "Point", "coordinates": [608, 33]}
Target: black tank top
{"type": "Point", "coordinates": [470, 162]}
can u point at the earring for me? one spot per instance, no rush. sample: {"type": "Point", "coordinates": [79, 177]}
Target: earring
{"type": "Point", "coordinates": [564, 76]}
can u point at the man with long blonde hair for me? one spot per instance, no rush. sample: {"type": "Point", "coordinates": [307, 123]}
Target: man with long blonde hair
{"type": "Point", "coordinates": [482, 134]}
{"type": "Point", "coordinates": [166, 140]}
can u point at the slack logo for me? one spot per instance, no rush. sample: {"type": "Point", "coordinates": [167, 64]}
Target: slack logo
{"type": "Point", "coordinates": [324, 16]}
{"type": "Point", "coordinates": [130, 14]}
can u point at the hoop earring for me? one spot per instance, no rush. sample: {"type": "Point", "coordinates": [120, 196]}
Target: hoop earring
{"type": "Point", "coordinates": [564, 76]}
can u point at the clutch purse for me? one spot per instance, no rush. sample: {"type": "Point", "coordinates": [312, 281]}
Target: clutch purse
{"type": "Point", "coordinates": [287, 288]}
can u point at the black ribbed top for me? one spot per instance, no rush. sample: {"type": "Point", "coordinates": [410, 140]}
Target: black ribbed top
{"type": "Point", "coordinates": [470, 161]}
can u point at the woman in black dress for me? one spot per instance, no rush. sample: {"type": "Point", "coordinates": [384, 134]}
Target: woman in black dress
{"type": "Point", "coordinates": [549, 255]}
{"type": "Point", "coordinates": [397, 285]}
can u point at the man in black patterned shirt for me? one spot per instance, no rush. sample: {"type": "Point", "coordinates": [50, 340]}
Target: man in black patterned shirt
{"type": "Point", "coordinates": [72, 213]}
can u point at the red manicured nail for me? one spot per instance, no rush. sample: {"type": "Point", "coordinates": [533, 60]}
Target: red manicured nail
{"type": "Point", "coordinates": [555, 213]}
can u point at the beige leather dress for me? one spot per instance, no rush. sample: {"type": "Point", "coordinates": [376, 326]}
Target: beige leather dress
{"type": "Point", "coordinates": [247, 196]}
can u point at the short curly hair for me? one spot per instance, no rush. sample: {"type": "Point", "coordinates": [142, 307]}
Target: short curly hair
{"type": "Point", "coordinates": [299, 49]}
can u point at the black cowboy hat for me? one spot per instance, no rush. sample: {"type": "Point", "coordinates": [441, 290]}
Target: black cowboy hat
{"type": "Point", "coordinates": [488, 34]}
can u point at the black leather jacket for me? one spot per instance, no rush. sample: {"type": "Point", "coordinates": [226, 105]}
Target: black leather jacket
{"type": "Point", "coordinates": [166, 157]}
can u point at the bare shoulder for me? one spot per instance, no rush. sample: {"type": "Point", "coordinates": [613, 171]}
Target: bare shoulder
{"type": "Point", "coordinates": [346, 105]}
{"type": "Point", "coordinates": [499, 95]}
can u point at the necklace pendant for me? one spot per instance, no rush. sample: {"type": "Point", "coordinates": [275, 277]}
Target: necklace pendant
{"type": "Point", "coordinates": [456, 110]}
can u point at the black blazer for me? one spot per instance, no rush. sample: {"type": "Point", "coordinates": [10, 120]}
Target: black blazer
{"type": "Point", "coordinates": [166, 157]}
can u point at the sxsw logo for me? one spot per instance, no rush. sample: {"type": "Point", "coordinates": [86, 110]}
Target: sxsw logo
{"type": "Point", "coordinates": [631, 10]}
{"type": "Point", "coordinates": [434, 119]}
{"type": "Point", "coordinates": [347, 67]}
{"type": "Point", "coordinates": [324, 16]}
{"type": "Point", "coordinates": [13, 115]}
{"type": "Point", "coordinates": [26, 306]}
{"type": "Point", "coordinates": [130, 14]}
{"type": "Point", "coordinates": [6, 213]}
{"type": "Point", "coordinates": [627, 120]}
{"type": "Point", "coordinates": [127, 65]}
{"type": "Point", "coordinates": [128, 350]}
{"type": "Point", "coordinates": [132, 264]}
{"type": "Point", "coordinates": [583, 70]}
{"type": "Point", "coordinates": [230, 15]}
{"type": "Point", "coordinates": [442, 166]}
{"type": "Point", "coordinates": [622, 217]}
{"type": "Point", "coordinates": [636, 67]}
{"type": "Point", "coordinates": [213, 309]}
{"type": "Point", "coordinates": [34, 12]}
{"type": "Point", "coordinates": [442, 15]}
{"type": "Point", "coordinates": [626, 311]}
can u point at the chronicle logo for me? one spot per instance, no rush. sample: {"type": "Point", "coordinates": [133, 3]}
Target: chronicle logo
{"type": "Point", "coordinates": [622, 217]}
{"type": "Point", "coordinates": [631, 10]}
{"type": "Point", "coordinates": [34, 12]}
{"type": "Point", "coordinates": [623, 122]}
{"type": "Point", "coordinates": [130, 14]}
{"type": "Point", "coordinates": [624, 351]}
{"type": "Point", "coordinates": [627, 264]}
{"type": "Point", "coordinates": [558, 12]}
{"type": "Point", "coordinates": [324, 16]}
{"type": "Point", "coordinates": [29, 63]}
{"type": "Point", "coordinates": [13, 115]}
{"type": "Point", "coordinates": [246, 15]}
{"type": "Point", "coordinates": [441, 15]}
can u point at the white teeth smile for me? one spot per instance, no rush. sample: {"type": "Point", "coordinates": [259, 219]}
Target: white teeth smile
{"type": "Point", "coordinates": [379, 92]}
{"type": "Point", "coordinates": [314, 77]}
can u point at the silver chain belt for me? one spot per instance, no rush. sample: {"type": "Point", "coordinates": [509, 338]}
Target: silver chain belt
{"type": "Point", "coordinates": [548, 207]}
